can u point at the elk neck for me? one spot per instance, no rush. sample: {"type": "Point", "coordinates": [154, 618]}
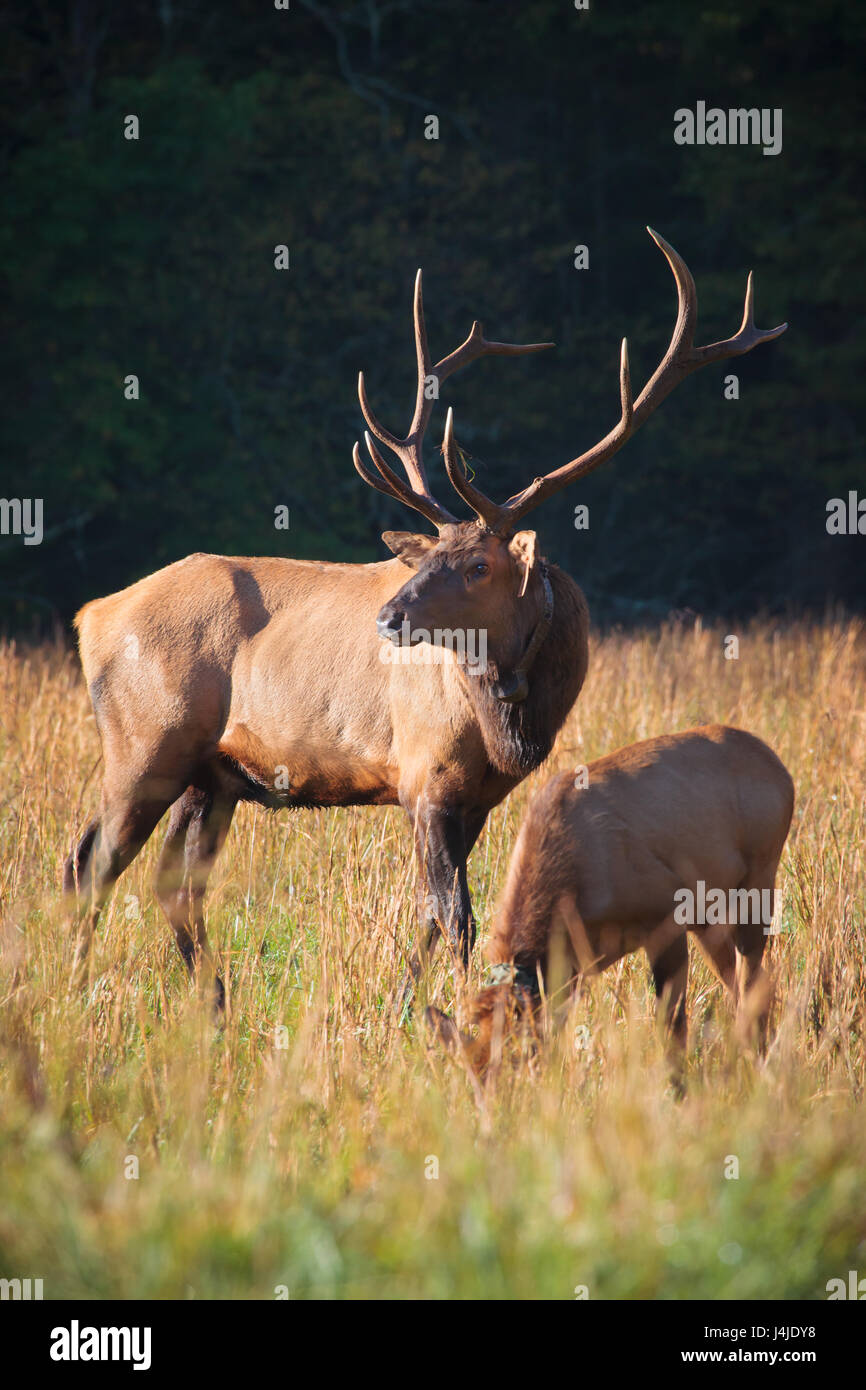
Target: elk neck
{"type": "Point", "coordinates": [545, 672]}
{"type": "Point", "coordinates": [513, 687]}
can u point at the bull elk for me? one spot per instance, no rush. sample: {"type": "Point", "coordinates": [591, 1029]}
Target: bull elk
{"type": "Point", "coordinates": [662, 834]}
{"type": "Point", "coordinates": [218, 680]}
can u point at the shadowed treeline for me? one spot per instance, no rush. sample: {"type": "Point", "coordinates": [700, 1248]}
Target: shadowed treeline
{"type": "Point", "coordinates": [306, 127]}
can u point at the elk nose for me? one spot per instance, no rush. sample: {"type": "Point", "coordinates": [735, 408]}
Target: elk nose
{"type": "Point", "coordinates": [389, 624]}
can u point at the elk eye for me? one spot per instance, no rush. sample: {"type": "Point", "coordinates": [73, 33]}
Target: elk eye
{"type": "Point", "coordinates": [480, 568]}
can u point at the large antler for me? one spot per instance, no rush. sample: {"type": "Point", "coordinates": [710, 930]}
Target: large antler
{"type": "Point", "coordinates": [410, 450]}
{"type": "Point", "coordinates": [681, 358]}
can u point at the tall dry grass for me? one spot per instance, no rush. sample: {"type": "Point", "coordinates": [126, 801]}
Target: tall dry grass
{"type": "Point", "coordinates": [298, 1147]}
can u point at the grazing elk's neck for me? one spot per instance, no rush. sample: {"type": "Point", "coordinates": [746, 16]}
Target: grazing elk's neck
{"type": "Point", "coordinates": [519, 736]}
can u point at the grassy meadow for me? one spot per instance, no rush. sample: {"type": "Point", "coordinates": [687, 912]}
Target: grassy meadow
{"type": "Point", "coordinates": [316, 1147]}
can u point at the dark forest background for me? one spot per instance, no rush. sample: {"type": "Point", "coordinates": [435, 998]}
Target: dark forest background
{"type": "Point", "coordinates": [306, 127]}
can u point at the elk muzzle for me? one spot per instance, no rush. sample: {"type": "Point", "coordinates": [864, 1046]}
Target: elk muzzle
{"type": "Point", "coordinates": [393, 625]}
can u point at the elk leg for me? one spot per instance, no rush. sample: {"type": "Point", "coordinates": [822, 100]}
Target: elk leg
{"type": "Point", "coordinates": [74, 868]}
{"type": "Point", "coordinates": [668, 952]}
{"type": "Point", "coordinates": [441, 849]}
{"type": "Point", "coordinates": [754, 986]}
{"type": "Point", "coordinates": [78, 893]}
{"type": "Point", "coordinates": [428, 937]}
{"type": "Point", "coordinates": [717, 948]}
{"type": "Point", "coordinates": [422, 957]}
{"type": "Point", "coordinates": [106, 849]}
{"type": "Point", "coordinates": [197, 829]}
{"type": "Point", "coordinates": [428, 905]}
{"type": "Point", "coordinates": [442, 844]}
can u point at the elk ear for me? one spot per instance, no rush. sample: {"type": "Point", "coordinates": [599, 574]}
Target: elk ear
{"type": "Point", "coordinates": [411, 549]}
{"type": "Point", "coordinates": [443, 1027]}
{"type": "Point", "coordinates": [523, 547]}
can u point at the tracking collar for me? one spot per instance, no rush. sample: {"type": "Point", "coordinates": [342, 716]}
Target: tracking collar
{"type": "Point", "coordinates": [518, 976]}
{"type": "Point", "coordinates": [514, 688]}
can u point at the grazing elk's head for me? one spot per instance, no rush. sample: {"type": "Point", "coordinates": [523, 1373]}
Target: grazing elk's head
{"type": "Point", "coordinates": [502, 1019]}
{"type": "Point", "coordinates": [485, 574]}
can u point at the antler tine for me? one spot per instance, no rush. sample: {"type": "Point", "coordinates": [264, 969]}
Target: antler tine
{"type": "Point", "coordinates": [385, 436]}
{"type": "Point", "coordinates": [687, 299]}
{"type": "Point", "coordinates": [747, 335]}
{"type": "Point", "coordinates": [682, 354]}
{"type": "Point", "coordinates": [423, 407]}
{"type": "Point", "coordinates": [476, 345]}
{"type": "Point", "coordinates": [625, 388]}
{"type": "Point", "coordinates": [370, 478]}
{"type": "Point", "coordinates": [392, 486]}
{"type": "Point", "coordinates": [433, 510]}
{"type": "Point", "coordinates": [681, 358]}
{"type": "Point", "coordinates": [410, 449]}
{"type": "Point", "coordinates": [522, 502]}
{"type": "Point", "coordinates": [484, 508]}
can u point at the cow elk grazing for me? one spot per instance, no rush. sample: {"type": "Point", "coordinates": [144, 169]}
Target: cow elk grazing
{"type": "Point", "coordinates": [217, 680]}
{"type": "Point", "coordinates": [679, 834]}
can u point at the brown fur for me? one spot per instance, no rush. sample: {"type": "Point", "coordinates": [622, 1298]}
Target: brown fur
{"type": "Point", "coordinates": [595, 870]}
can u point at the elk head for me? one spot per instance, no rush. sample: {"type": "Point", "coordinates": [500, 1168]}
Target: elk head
{"type": "Point", "coordinates": [478, 573]}
{"type": "Point", "coordinates": [500, 1015]}
{"type": "Point", "coordinates": [468, 581]}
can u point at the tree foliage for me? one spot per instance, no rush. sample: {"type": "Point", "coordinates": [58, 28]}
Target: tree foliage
{"type": "Point", "coordinates": [306, 127]}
